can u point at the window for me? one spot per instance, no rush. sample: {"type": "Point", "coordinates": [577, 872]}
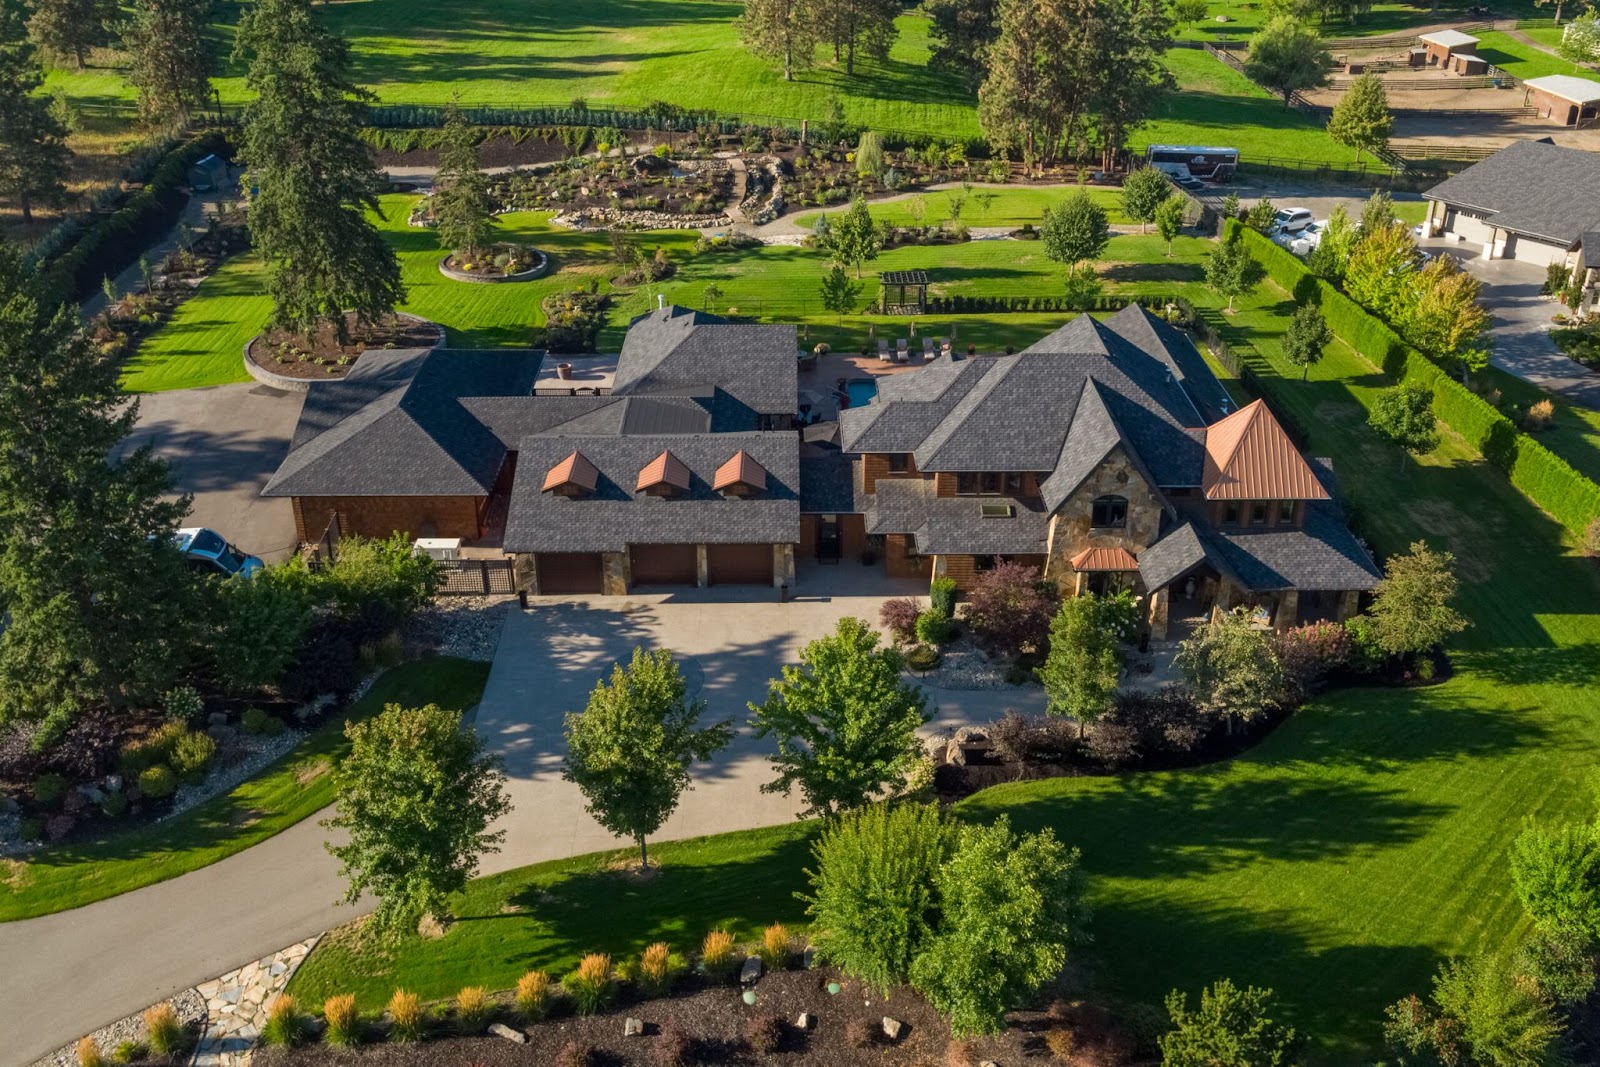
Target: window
{"type": "Point", "coordinates": [1258, 513]}
{"type": "Point", "coordinates": [984, 483]}
{"type": "Point", "coordinates": [1109, 512]}
{"type": "Point", "coordinates": [1230, 514]}
{"type": "Point", "coordinates": [1285, 512]}
{"type": "Point", "coordinates": [899, 462]}
{"type": "Point", "coordinates": [1014, 483]}
{"type": "Point", "coordinates": [966, 484]}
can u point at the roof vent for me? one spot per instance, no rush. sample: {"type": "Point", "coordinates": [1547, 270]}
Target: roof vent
{"type": "Point", "coordinates": [661, 301]}
{"type": "Point", "coordinates": [663, 476]}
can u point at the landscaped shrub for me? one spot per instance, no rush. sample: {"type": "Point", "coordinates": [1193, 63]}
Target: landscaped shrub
{"type": "Point", "coordinates": [258, 723]}
{"type": "Point", "coordinates": [718, 956]}
{"type": "Point", "coordinates": [1561, 958]}
{"type": "Point", "coordinates": [473, 1009]}
{"type": "Point", "coordinates": [942, 596]}
{"type": "Point", "coordinates": [655, 969]}
{"type": "Point", "coordinates": [115, 804]}
{"type": "Point", "coordinates": [48, 789]}
{"type": "Point", "coordinates": [1310, 653]}
{"type": "Point", "coordinates": [934, 628]}
{"type": "Point", "coordinates": [763, 1033]}
{"type": "Point", "coordinates": [922, 658]}
{"type": "Point", "coordinates": [777, 947]}
{"type": "Point", "coordinates": [342, 1019]}
{"type": "Point", "coordinates": [157, 782]}
{"type": "Point", "coordinates": [376, 585]}
{"type": "Point", "coordinates": [88, 1053]}
{"type": "Point", "coordinates": [1061, 1043]}
{"type": "Point", "coordinates": [152, 750]}
{"type": "Point", "coordinates": [183, 704]}
{"type": "Point", "coordinates": [576, 1054]}
{"type": "Point", "coordinates": [128, 1052]}
{"type": "Point", "coordinates": [899, 615]}
{"type": "Point", "coordinates": [533, 995]}
{"type": "Point", "coordinates": [590, 985]}
{"type": "Point", "coordinates": [31, 828]}
{"type": "Point", "coordinates": [191, 756]}
{"type": "Point", "coordinates": [285, 1026]}
{"type": "Point", "coordinates": [162, 1034]}
{"type": "Point", "coordinates": [1009, 610]}
{"type": "Point", "coordinates": [673, 1046]}
{"type": "Point", "coordinates": [326, 663]}
{"type": "Point", "coordinates": [405, 1016]}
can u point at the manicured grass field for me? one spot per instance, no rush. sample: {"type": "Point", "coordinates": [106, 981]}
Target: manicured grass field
{"type": "Point", "coordinates": [1009, 206]}
{"type": "Point", "coordinates": [1338, 862]}
{"type": "Point", "coordinates": [1523, 61]}
{"type": "Point", "coordinates": [298, 785]}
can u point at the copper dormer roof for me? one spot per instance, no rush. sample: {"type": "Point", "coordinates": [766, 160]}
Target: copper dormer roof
{"type": "Point", "coordinates": [574, 470]}
{"type": "Point", "coordinates": [1249, 457]}
{"type": "Point", "coordinates": [1104, 559]}
{"type": "Point", "coordinates": [665, 469]}
{"type": "Point", "coordinates": [742, 469]}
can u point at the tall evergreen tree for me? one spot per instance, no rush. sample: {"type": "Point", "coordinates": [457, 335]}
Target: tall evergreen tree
{"type": "Point", "coordinates": [788, 30]}
{"type": "Point", "coordinates": [33, 157]}
{"type": "Point", "coordinates": [97, 597]}
{"type": "Point", "coordinates": [170, 61]}
{"type": "Point", "coordinates": [314, 177]}
{"type": "Point", "coordinates": [1021, 105]}
{"type": "Point", "coordinates": [69, 28]}
{"type": "Point", "coordinates": [1361, 119]}
{"type": "Point", "coordinates": [1128, 74]}
{"type": "Point", "coordinates": [461, 205]}
{"type": "Point", "coordinates": [960, 33]}
{"type": "Point", "coordinates": [864, 24]}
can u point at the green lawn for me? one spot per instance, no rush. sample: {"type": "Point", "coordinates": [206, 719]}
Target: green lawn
{"type": "Point", "coordinates": [1524, 61]}
{"type": "Point", "coordinates": [69, 876]}
{"type": "Point", "coordinates": [1338, 862]}
{"type": "Point", "coordinates": [1010, 206]}
{"type": "Point", "coordinates": [1383, 19]}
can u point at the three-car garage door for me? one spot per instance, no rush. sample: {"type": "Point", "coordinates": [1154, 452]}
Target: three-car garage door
{"type": "Point", "coordinates": [739, 564]}
{"type": "Point", "coordinates": [569, 572]}
{"type": "Point", "coordinates": [663, 564]}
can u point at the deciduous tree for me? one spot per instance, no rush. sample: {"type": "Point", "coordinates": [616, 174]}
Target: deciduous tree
{"type": "Point", "coordinates": [1189, 12]}
{"type": "Point", "coordinates": [461, 204]}
{"type": "Point", "coordinates": [1075, 231]}
{"type": "Point", "coordinates": [1361, 119]}
{"type": "Point", "coordinates": [1233, 1027]}
{"type": "Point", "coordinates": [416, 795]}
{"type": "Point", "coordinates": [839, 292]}
{"type": "Point", "coordinates": [1169, 221]}
{"type": "Point", "coordinates": [169, 60]}
{"type": "Point", "coordinates": [33, 156]}
{"type": "Point", "coordinates": [1404, 414]}
{"type": "Point", "coordinates": [1232, 272]}
{"type": "Point", "coordinates": [1287, 56]}
{"type": "Point", "coordinates": [1143, 193]}
{"type": "Point", "coordinates": [1411, 610]}
{"type": "Point", "coordinates": [1306, 337]}
{"type": "Point", "coordinates": [845, 721]}
{"type": "Point", "coordinates": [629, 751]}
{"type": "Point", "coordinates": [1443, 316]}
{"type": "Point", "coordinates": [1498, 1017]}
{"type": "Point", "coordinates": [69, 28]}
{"type": "Point", "coordinates": [1377, 214]}
{"type": "Point", "coordinates": [1378, 274]}
{"type": "Point", "coordinates": [1009, 609]}
{"type": "Point", "coordinates": [1081, 672]}
{"type": "Point", "coordinates": [1556, 871]}
{"type": "Point", "coordinates": [854, 238]}
{"type": "Point", "coordinates": [1580, 41]}
{"type": "Point", "coordinates": [1232, 668]}
{"type": "Point", "coordinates": [784, 30]}
{"type": "Point", "coordinates": [314, 178]}
{"type": "Point", "coordinates": [1332, 254]}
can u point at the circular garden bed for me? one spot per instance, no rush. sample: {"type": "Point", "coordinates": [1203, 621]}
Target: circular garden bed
{"type": "Point", "coordinates": [286, 354]}
{"type": "Point", "coordinates": [501, 262]}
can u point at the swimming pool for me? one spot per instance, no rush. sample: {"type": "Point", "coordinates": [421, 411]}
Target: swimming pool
{"type": "Point", "coordinates": [861, 391]}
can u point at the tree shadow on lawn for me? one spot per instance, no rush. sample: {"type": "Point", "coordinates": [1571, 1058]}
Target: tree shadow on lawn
{"type": "Point", "coordinates": [1152, 272]}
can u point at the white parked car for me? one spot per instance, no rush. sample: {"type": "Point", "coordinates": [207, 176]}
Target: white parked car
{"type": "Point", "coordinates": [1291, 220]}
{"type": "Point", "coordinates": [1306, 241]}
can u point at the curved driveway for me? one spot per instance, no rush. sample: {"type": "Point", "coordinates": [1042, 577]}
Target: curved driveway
{"type": "Point", "coordinates": [64, 975]}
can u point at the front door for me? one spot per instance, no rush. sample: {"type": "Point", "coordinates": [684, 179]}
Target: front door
{"type": "Point", "coordinates": [829, 548]}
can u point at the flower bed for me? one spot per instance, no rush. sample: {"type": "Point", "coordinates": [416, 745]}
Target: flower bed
{"type": "Point", "coordinates": [501, 262]}
{"type": "Point", "coordinates": [288, 355]}
{"type": "Point", "coordinates": [573, 321]}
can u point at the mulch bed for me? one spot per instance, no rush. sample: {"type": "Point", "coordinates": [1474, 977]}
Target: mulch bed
{"type": "Point", "coordinates": [716, 1018]}
{"type": "Point", "coordinates": [320, 359]}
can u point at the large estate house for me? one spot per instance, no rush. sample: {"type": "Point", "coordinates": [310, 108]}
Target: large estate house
{"type": "Point", "coordinates": [1107, 455]}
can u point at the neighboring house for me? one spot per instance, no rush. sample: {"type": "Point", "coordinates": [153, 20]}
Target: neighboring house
{"type": "Point", "coordinates": [1531, 201]}
{"type": "Point", "coordinates": [1452, 50]}
{"type": "Point", "coordinates": [1564, 99]}
{"type": "Point", "coordinates": [1103, 454]}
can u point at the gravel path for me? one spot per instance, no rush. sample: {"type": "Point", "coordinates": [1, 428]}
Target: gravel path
{"type": "Point", "coordinates": [189, 1005]}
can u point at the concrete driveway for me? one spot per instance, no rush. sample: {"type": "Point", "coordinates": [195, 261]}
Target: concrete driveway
{"type": "Point", "coordinates": [1521, 317]}
{"type": "Point", "coordinates": [224, 442]}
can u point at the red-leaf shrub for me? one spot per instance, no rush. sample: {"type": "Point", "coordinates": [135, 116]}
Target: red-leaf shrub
{"type": "Point", "coordinates": [1310, 653]}
{"type": "Point", "coordinates": [1009, 610]}
{"type": "Point", "coordinates": [899, 617]}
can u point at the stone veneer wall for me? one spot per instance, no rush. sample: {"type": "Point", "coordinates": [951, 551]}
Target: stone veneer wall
{"type": "Point", "coordinates": [1070, 530]}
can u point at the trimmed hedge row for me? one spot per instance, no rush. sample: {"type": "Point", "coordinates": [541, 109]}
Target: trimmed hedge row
{"type": "Point", "coordinates": [116, 242]}
{"type": "Point", "coordinates": [958, 305]}
{"type": "Point", "coordinates": [1546, 478]}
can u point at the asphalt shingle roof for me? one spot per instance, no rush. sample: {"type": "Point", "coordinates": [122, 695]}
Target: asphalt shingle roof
{"type": "Point", "coordinates": [668, 350]}
{"type": "Point", "coordinates": [1530, 187]}
{"type": "Point", "coordinates": [955, 524]}
{"type": "Point", "coordinates": [830, 484]}
{"type": "Point", "coordinates": [616, 514]}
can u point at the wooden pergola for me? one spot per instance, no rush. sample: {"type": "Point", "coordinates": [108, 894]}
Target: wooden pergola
{"type": "Point", "coordinates": [904, 280]}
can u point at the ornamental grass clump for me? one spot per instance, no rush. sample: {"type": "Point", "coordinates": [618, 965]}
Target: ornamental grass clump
{"type": "Point", "coordinates": [533, 996]}
{"type": "Point", "coordinates": [472, 1009]}
{"type": "Point", "coordinates": [162, 1034]}
{"type": "Point", "coordinates": [776, 947]}
{"type": "Point", "coordinates": [89, 1054]}
{"type": "Point", "coordinates": [405, 1016]}
{"type": "Point", "coordinates": [590, 984]}
{"type": "Point", "coordinates": [344, 1022]}
{"type": "Point", "coordinates": [717, 955]}
{"type": "Point", "coordinates": [285, 1026]}
{"type": "Point", "coordinates": [655, 969]}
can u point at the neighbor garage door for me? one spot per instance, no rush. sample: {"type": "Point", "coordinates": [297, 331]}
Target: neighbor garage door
{"type": "Point", "coordinates": [1468, 228]}
{"type": "Point", "coordinates": [569, 572]}
{"type": "Point", "coordinates": [663, 564]}
{"type": "Point", "coordinates": [739, 564]}
{"type": "Point", "coordinates": [1527, 250]}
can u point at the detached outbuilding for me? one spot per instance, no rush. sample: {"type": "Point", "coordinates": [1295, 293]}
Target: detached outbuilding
{"type": "Point", "coordinates": [1564, 99]}
{"type": "Point", "coordinates": [1452, 50]}
{"type": "Point", "coordinates": [1532, 201]}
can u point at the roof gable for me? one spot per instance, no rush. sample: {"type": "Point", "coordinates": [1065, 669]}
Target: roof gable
{"type": "Point", "coordinates": [575, 470]}
{"type": "Point", "coordinates": [674, 350]}
{"type": "Point", "coordinates": [1250, 457]}
{"type": "Point", "coordinates": [665, 470]}
{"type": "Point", "coordinates": [741, 469]}
{"type": "Point", "coordinates": [1543, 190]}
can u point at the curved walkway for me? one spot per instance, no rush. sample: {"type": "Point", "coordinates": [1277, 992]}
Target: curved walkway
{"type": "Point", "coordinates": [66, 974]}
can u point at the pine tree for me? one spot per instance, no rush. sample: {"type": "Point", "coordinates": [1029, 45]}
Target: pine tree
{"type": "Point", "coordinates": [960, 32]}
{"type": "Point", "coordinates": [314, 176]}
{"type": "Point", "coordinates": [1361, 119]}
{"type": "Point", "coordinates": [33, 157]}
{"type": "Point", "coordinates": [1021, 105]}
{"type": "Point", "coordinates": [170, 61]}
{"type": "Point", "coordinates": [782, 29]}
{"type": "Point", "coordinates": [72, 27]}
{"type": "Point", "coordinates": [864, 24]}
{"type": "Point", "coordinates": [99, 603]}
{"type": "Point", "coordinates": [461, 203]}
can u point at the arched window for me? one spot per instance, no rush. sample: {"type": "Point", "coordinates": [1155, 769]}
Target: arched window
{"type": "Point", "coordinates": [1109, 512]}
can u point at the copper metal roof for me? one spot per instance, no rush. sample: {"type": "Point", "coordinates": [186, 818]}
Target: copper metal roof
{"type": "Point", "coordinates": [574, 470]}
{"type": "Point", "coordinates": [1105, 559]}
{"type": "Point", "coordinates": [665, 469]}
{"type": "Point", "coordinates": [1249, 457]}
{"type": "Point", "coordinates": [741, 469]}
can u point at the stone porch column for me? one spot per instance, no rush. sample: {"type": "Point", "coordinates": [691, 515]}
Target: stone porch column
{"type": "Point", "coordinates": [614, 580]}
{"type": "Point", "coordinates": [524, 575]}
{"type": "Point", "coordinates": [783, 565]}
{"type": "Point", "coordinates": [1160, 601]}
{"type": "Point", "coordinates": [1349, 604]}
{"type": "Point", "coordinates": [1435, 220]}
{"type": "Point", "coordinates": [1288, 612]}
{"type": "Point", "coordinates": [702, 570]}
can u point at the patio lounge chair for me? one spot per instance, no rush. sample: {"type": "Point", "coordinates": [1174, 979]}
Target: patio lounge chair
{"type": "Point", "coordinates": [883, 349]}
{"type": "Point", "coordinates": [927, 348]}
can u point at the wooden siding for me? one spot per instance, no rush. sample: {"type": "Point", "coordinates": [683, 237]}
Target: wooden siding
{"type": "Point", "coordinates": [875, 465]}
{"type": "Point", "coordinates": [898, 561]}
{"type": "Point", "coordinates": [382, 516]}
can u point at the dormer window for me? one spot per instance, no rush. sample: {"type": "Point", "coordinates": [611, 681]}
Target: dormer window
{"type": "Point", "coordinates": [1109, 513]}
{"type": "Point", "coordinates": [740, 476]}
{"type": "Point", "coordinates": [666, 475]}
{"type": "Point", "coordinates": [573, 476]}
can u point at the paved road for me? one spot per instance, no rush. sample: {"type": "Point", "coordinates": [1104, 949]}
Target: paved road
{"type": "Point", "coordinates": [224, 442]}
{"type": "Point", "coordinates": [64, 975]}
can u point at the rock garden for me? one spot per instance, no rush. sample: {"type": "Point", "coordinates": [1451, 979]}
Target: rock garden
{"type": "Point", "coordinates": [500, 262]}
{"type": "Point", "coordinates": [324, 355]}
